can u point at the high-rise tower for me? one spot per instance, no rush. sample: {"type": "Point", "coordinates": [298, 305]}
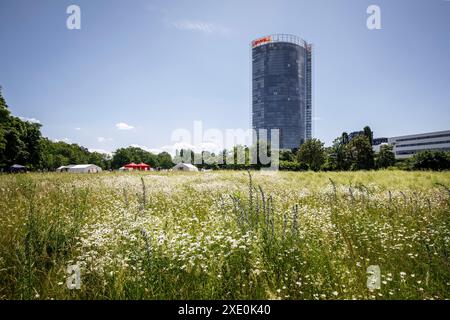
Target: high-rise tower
{"type": "Point", "coordinates": [281, 87]}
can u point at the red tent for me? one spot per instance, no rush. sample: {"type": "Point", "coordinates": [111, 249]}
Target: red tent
{"type": "Point", "coordinates": [140, 166]}
{"type": "Point", "coordinates": [131, 165]}
{"type": "Point", "coordinates": [143, 166]}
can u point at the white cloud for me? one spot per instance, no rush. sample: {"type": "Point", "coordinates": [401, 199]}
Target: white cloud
{"type": "Point", "coordinates": [103, 139]}
{"type": "Point", "coordinates": [152, 150]}
{"type": "Point", "coordinates": [200, 26]}
{"type": "Point", "coordinates": [123, 126]}
{"type": "Point", "coordinates": [316, 119]}
{"type": "Point", "coordinates": [78, 128]}
{"type": "Point", "coordinates": [66, 140]}
{"type": "Point", "coordinates": [109, 153]}
{"type": "Point", "coordinates": [31, 120]}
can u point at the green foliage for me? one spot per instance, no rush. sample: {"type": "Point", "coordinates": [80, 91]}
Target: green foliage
{"type": "Point", "coordinates": [293, 166]}
{"type": "Point", "coordinates": [344, 138]}
{"type": "Point", "coordinates": [337, 155]}
{"type": "Point", "coordinates": [312, 153]}
{"type": "Point", "coordinates": [56, 154]}
{"type": "Point", "coordinates": [4, 117]}
{"type": "Point", "coordinates": [430, 160]}
{"type": "Point", "coordinates": [361, 154]}
{"type": "Point", "coordinates": [386, 157]}
{"type": "Point", "coordinates": [19, 142]}
{"type": "Point", "coordinates": [124, 156]}
{"type": "Point", "coordinates": [356, 154]}
{"type": "Point", "coordinates": [165, 160]}
{"type": "Point", "coordinates": [368, 134]}
{"type": "Point", "coordinates": [288, 155]}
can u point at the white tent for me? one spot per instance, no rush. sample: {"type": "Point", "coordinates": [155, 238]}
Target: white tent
{"type": "Point", "coordinates": [64, 168]}
{"type": "Point", "coordinates": [185, 167]}
{"type": "Point", "coordinates": [80, 168]}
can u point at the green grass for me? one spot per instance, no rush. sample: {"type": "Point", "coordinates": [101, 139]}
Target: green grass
{"type": "Point", "coordinates": [225, 235]}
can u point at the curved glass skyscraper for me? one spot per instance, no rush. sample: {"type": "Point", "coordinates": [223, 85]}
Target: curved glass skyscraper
{"type": "Point", "coordinates": [281, 88]}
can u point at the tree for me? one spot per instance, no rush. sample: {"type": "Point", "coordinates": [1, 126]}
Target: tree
{"type": "Point", "coordinates": [312, 153]}
{"type": "Point", "coordinates": [288, 155]}
{"type": "Point", "coordinates": [55, 154]}
{"type": "Point", "coordinates": [31, 136]}
{"type": "Point", "coordinates": [100, 159]}
{"type": "Point", "coordinates": [260, 153]}
{"type": "Point", "coordinates": [186, 156]}
{"type": "Point", "coordinates": [430, 160]}
{"type": "Point", "coordinates": [385, 157]}
{"type": "Point", "coordinates": [293, 166]}
{"type": "Point", "coordinates": [344, 138]}
{"type": "Point", "coordinates": [337, 155]}
{"type": "Point", "coordinates": [361, 153]}
{"type": "Point", "coordinates": [165, 160]}
{"type": "Point", "coordinates": [368, 133]}
{"type": "Point", "coordinates": [4, 118]}
{"type": "Point", "coordinates": [123, 156]}
{"type": "Point", "coordinates": [19, 140]}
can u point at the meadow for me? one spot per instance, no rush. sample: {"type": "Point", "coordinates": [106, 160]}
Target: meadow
{"type": "Point", "coordinates": [225, 235]}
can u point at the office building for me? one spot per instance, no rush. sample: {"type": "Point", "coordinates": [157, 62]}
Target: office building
{"type": "Point", "coordinates": [282, 88]}
{"type": "Point", "coordinates": [407, 146]}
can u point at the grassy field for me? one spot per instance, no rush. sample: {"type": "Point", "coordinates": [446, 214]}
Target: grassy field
{"type": "Point", "coordinates": [225, 235]}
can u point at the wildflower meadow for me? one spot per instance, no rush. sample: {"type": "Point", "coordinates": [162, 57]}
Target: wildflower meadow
{"type": "Point", "coordinates": [225, 235]}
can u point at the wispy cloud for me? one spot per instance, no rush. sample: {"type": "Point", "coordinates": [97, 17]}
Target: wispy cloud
{"type": "Point", "coordinates": [152, 150]}
{"type": "Point", "coordinates": [78, 128]}
{"type": "Point", "coordinates": [103, 139]}
{"type": "Point", "coordinates": [101, 151]}
{"type": "Point", "coordinates": [317, 119]}
{"type": "Point", "coordinates": [201, 26]}
{"type": "Point", "coordinates": [31, 120]}
{"type": "Point", "coordinates": [123, 126]}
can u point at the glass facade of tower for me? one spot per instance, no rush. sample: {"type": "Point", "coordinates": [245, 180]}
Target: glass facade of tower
{"type": "Point", "coordinates": [281, 88]}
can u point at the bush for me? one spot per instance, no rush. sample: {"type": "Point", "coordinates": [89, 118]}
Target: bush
{"type": "Point", "coordinates": [293, 166]}
{"type": "Point", "coordinates": [312, 153]}
{"type": "Point", "coordinates": [430, 160]}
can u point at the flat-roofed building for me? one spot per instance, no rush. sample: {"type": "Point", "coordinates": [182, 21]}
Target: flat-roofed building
{"type": "Point", "coordinates": [407, 146]}
{"type": "Point", "coordinates": [378, 142]}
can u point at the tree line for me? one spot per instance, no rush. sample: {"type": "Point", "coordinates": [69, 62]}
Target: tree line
{"type": "Point", "coordinates": [21, 142]}
{"type": "Point", "coordinates": [356, 153]}
{"type": "Point", "coordinates": [345, 154]}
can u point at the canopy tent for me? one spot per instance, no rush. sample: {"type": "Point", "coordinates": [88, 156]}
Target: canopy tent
{"type": "Point", "coordinates": [80, 168]}
{"type": "Point", "coordinates": [85, 168]}
{"type": "Point", "coordinates": [143, 166]}
{"type": "Point", "coordinates": [64, 168]}
{"type": "Point", "coordinates": [131, 165]}
{"type": "Point", "coordinates": [134, 166]}
{"type": "Point", "coordinates": [185, 167]}
{"type": "Point", "coordinates": [17, 168]}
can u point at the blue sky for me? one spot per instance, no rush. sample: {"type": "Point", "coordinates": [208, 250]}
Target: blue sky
{"type": "Point", "coordinates": [150, 67]}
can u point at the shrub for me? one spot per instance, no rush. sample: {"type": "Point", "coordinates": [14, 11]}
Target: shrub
{"type": "Point", "coordinates": [430, 160]}
{"type": "Point", "coordinates": [293, 166]}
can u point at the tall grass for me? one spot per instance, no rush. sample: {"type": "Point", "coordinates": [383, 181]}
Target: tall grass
{"type": "Point", "coordinates": [225, 235]}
